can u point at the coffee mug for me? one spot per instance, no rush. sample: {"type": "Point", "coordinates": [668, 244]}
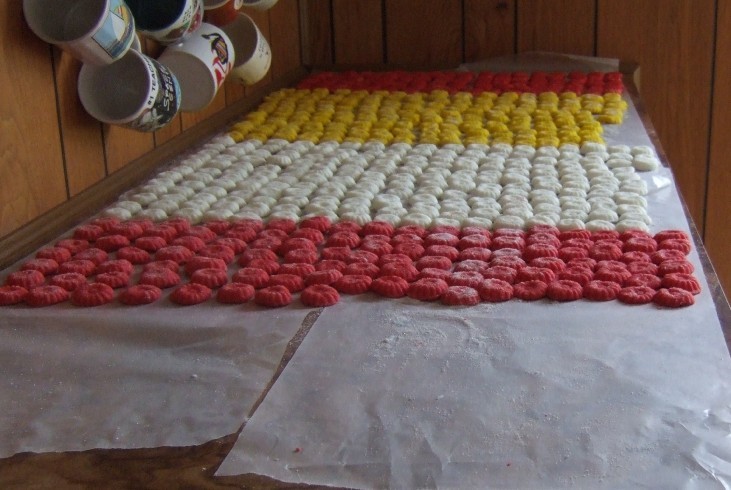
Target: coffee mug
{"type": "Point", "coordinates": [253, 54]}
{"type": "Point", "coordinates": [136, 92]}
{"type": "Point", "coordinates": [201, 63]}
{"type": "Point", "coordinates": [167, 21]}
{"type": "Point", "coordinates": [98, 32]}
{"type": "Point", "coordinates": [221, 12]}
{"type": "Point", "coordinates": [260, 4]}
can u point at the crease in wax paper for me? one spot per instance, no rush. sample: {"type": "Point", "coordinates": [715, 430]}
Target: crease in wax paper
{"type": "Point", "coordinates": [128, 377]}
{"type": "Point", "coordinates": [401, 394]}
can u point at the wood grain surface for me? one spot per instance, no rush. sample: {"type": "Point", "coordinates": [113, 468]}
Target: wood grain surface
{"type": "Point", "coordinates": [718, 199]}
{"type": "Point", "coordinates": [284, 30]}
{"type": "Point", "coordinates": [424, 33]}
{"type": "Point", "coordinates": [561, 26]}
{"type": "Point", "coordinates": [672, 45]}
{"type": "Point", "coordinates": [83, 147]}
{"type": "Point", "coordinates": [317, 32]}
{"type": "Point", "coordinates": [358, 32]}
{"type": "Point", "coordinates": [31, 160]}
{"type": "Point", "coordinates": [489, 28]}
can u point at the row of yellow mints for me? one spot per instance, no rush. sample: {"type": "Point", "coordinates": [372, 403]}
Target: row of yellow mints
{"type": "Point", "coordinates": [437, 117]}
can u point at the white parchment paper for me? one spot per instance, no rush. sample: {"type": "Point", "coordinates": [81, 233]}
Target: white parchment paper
{"type": "Point", "coordinates": [403, 394]}
{"type": "Point", "coordinates": [123, 377]}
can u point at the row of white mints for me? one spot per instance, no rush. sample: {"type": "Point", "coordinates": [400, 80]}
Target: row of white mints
{"type": "Point", "coordinates": [592, 186]}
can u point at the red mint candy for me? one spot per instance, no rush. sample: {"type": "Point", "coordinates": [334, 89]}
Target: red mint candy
{"type": "Point", "coordinates": [140, 294]}
{"type": "Point", "coordinates": [190, 294]}
{"type": "Point", "coordinates": [323, 277]}
{"type": "Point", "coordinates": [427, 289]}
{"type": "Point", "coordinates": [390, 286]}
{"type": "Point", "coordinates": [319, 295]}
{"type": "Point", "coordinates": [253, 276]}
{"type": "Point", "coordinates": [673, 298]}
{"type": "Point", "coordinates": [564, 290]}
{"type": "Point", "coordinates": [134, 254]}
{"type": "Point", "coordinates": [46, 296]}
{"type": "Point", "coordinates": [44, 266]}
{"type": "Point", "coordinates": [273, 297]}
{"type": "Point", "coordinates": [94, 294]}
{"type": "Point", "coordinates": [461, 296]}
{"type": "Point", "coordinates": [530, 290]}
{"type": "Point", "coordinates": [209, 277]}
{"type": "Point", "coordinates": [495, 290]}
{"type": "Point", "coordinates": [69, 280]}
{"type": "Point", "coordinates": [636, 295]}
{"type": "Point", "coordinates": [353, 284]}
{"type": "Point", "coordinates": [11, 295]}
{"type": "Point", "coordinates": [235, 293]}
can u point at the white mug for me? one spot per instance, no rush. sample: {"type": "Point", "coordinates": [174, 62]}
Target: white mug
{"type": "Point", "coordinates": [98, 32]}
{"type": "Point", "coordinates": [201, 63]}
{"type": "Point", "coordinates": [253, 54]}
{"type": "Point", "coordinates": [167, 21]}
{"type": "Point", "coordinates": [136, 92]}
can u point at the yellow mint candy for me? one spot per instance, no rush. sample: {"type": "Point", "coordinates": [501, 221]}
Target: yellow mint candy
{"type": "Point", "coordinates": [236, 136]}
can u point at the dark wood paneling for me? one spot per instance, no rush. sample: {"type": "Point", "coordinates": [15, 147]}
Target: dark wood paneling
{"type": "Point", "coordinates": [31, 160]}
{"type": "Point", "coordinates": [358, 32]}
{"type": "Point", "coordinates": [82, 134]}
{"type": "Point", "coordinates": [489, 28]}
{"type": "Point", "coordinates": [190, 119]}
{"type": "Point", "coordinates": [125, 145]}
{"type": "Point", "coordinates": [718, 202]}
{"type": "Point", "coordinates": [562, 26]}
{"type": "Point", "coordinates": [317, 32]}
{"type": "Point", "coordinates": [284, 28]}
{"type": "Point", "coordinates": [426, 33]}
{"type": "Point", "coordinates": [672, 45]}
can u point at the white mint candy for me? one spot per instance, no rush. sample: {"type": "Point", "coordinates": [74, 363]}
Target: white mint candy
{"type": "Point", "coordinates": [217, 214]}
{"type": "Point", "coordinates": [477, 221]}
{"type": "Point", "coordinates": [645, 163]}
{"type": "Point", "coordinates": [642, 150]}
{"type": "Point", "coordinates": [166, 205]}
{"type": "Point", "coordinates": [504, 221]}
{"type": "Point", "coordinates": [636, 217]}
{"type": "Point", "coordinates": [417, 219]}
{"type": "Point", "coordinates": [566, 224]}
{"type": "Point", "coordinates": [131, 206]}
{"type": "Point", "coordinates": [599, 225]}
{"type": "Point", "coordinates": [153, 214]}
{"type": "Point", "coordinates": [116, 212]}
{"type": "Point", "coordinates": [574, 214]}
{"type": "Point", "coordinates": [626, 225]}
{"type": "Point", "coordinates": [443, 221]}
{"type": "Point", "coordinates": [603, 214]}
{"type": "Point", "coordinates": [144, 198]}
{"type": "Point", "coordinates": [540, 219]}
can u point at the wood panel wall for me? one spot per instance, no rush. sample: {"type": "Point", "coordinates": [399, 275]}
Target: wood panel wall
{"type": "Point", "coordinates": [51, 150]}
{"type": "Point", "coordinates": [671, 40]}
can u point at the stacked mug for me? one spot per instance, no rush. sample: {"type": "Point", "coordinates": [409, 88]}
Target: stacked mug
{"type": "Point", "coordinates": [118, 84]}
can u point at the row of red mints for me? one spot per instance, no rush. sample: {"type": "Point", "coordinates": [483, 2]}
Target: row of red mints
{"type": "Point", "coordinates": [461, 81]}
{"type": "Point", "coordinates": [456, 266]}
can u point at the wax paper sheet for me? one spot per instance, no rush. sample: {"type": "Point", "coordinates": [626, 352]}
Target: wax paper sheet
{"type": "Point", "coordinates": [122, 377]}
{"type": "Point", "coordinates": [404, 394]}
